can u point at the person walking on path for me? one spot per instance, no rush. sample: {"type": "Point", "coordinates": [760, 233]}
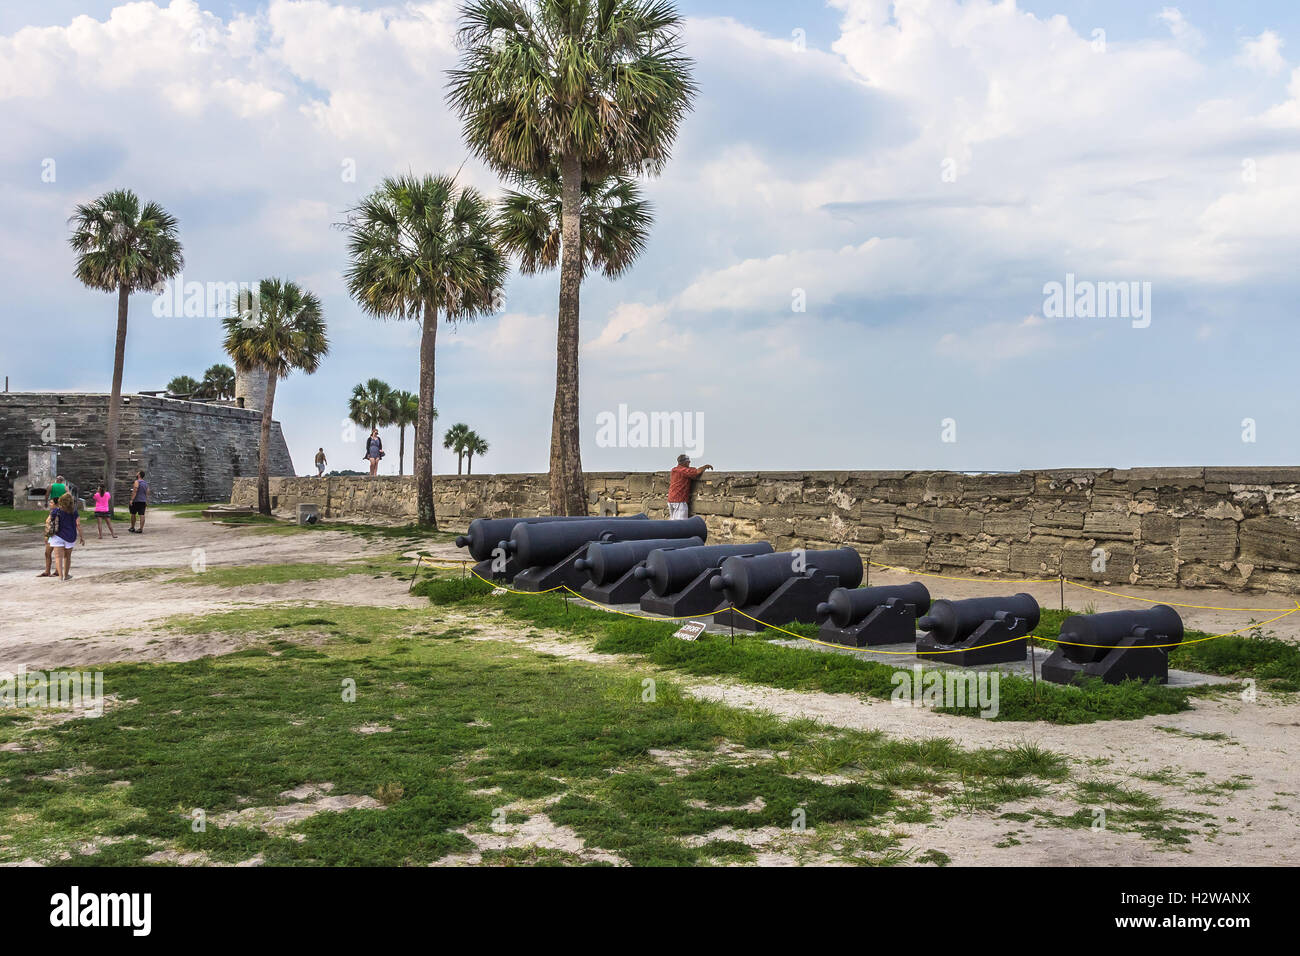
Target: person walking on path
{"type": "Point", "coordinates": [104, 512]}
{"type": "Point", "coordinates": [374, 450]}
{"type": "Point", "coordinates": [139, 501]}
{"type": "Point", "coordinates": [65, 525]}
{"type": "Point", "coordinates": [679, 487]}
{"type": "Point", "coordinates": [320, 462]}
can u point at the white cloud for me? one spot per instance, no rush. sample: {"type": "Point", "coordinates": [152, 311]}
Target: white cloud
{"type": "Point", "coordinates": [1263, 53]}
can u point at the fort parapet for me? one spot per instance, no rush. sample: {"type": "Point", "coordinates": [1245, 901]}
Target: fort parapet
{"type": "Point", "coordinates": [1236, 528]}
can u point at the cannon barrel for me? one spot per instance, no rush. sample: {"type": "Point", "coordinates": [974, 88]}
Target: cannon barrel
{"type": "Point", "coordinates": [486, 533]}
{"type": "Point", "coordinates": [670, 571]}
{"type": "Point", "coordinates": [1111, 627]}
{"type": "Point", "coordinates": [848, 606]}
{"type": "Point", "coordinates": [950, 622]}
{"type": "Point", "coordinates": [749, 580]}
{"type": "Point", "coordinates": [607, 561]}
{"type": "Point", "coordinates": [535, 545]}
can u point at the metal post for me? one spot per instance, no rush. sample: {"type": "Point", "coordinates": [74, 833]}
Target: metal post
{"type": "Point", "coordinates": [418, 559]}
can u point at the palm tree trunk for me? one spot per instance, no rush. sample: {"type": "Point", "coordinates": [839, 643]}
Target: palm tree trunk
{"type": "Point", "coordinates": [568, 494]}
{"type": "Point", "coordinates": [469, 464]}
{"type": "Point", "coordinates": [401, 449]}
{"type": "Point", "coordinates": [115, 398]}
{"type": "Point", "coordinates": [460, 463]}
{"type": "Point", "coordinates": [264, 451]}
{"type": "Point", "coordinates": [424, 422]}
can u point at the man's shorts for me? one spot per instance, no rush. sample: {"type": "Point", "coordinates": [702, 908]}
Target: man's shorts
{"type": "Point", "coordinates": [137, 508]}
{"type": "Point", "coordinates": [679, 510]}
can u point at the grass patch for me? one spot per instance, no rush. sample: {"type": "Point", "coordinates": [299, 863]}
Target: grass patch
{"type": "Point", "coordinates": [754, 660]}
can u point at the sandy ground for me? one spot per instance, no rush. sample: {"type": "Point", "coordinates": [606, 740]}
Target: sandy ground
{"type": "Point", "coordinates": [103, 615]}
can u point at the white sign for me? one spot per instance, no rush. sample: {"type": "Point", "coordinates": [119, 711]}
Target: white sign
{"type": "Point", "coordinates": [690, 630]}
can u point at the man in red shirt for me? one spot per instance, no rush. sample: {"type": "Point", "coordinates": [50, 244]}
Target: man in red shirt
{"type": "Point", "coordinates": [679, 487]}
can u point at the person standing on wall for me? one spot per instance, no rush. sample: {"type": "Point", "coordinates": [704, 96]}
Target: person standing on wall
{"type": "Point", "coordinates": [139, 501]}
{"type": "Point", "coordinates": [679, 487]}
{"type": "Point", "coordinates": [374, 450]}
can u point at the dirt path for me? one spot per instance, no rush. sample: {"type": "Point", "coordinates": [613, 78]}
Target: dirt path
{"type": "Point", "coordinates": [102, 614]}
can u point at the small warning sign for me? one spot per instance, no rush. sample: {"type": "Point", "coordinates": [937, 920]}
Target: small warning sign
{"type": "Point", "coordinates": [690, 630]}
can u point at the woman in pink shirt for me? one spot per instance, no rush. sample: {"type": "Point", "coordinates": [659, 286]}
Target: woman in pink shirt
{"type": "Point", "coordinates": [103, 511]}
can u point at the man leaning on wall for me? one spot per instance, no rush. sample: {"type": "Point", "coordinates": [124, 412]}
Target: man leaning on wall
{"type": "Point", "coordinates": [680, 480]}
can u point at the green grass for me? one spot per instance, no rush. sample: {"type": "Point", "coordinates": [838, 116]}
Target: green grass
{"type": "Point", "coordinates": [464, 717]}
{"type": "Point", "coordinates": [754, 660]}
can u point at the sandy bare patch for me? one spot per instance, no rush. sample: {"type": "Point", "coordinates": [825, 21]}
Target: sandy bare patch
{"type": "Point", "coordinates": [537, 831]}
{"type": "Point", "coordinates": [307, 801]}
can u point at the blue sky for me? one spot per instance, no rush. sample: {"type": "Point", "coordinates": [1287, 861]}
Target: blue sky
{"type": "Point", "coordinates": [915, 173]}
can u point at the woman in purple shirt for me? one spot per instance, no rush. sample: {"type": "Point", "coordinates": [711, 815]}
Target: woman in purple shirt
{"type": "Point", "coordinates": [66, 524]}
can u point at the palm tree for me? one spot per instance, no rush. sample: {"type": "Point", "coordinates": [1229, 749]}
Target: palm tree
{"type": "Point", "coordinates": [123, 247]}
{"type": "Point", "coordinates": [279, 330]}
{"type": "Point", "coordinates": [183, 385]}
{"type": "Point", "coordinates": [615, 224]}
{"type": "Point", "coordinates": [420, 246]}
{"type": "Point", "coordinates": [218, 382]}
{"type": "Point", "coordinates": [582, 90]}
{"type": "Point", "coordinates": [371, 404]}
{"type": "Point", "coordinates": [406, 411]}
{"type": "Point", "coordinates": [456, 438]}
{"type": "Point", "coordinates": [474, 445]}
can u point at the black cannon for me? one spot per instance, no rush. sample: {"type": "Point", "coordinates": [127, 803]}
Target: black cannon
{"type": "Point", "coordinates": [783, 587]}
{"type": "Point", "coordinates": [868, 617]}
{"type": "Point", "coordinates": [1115, 646]}
{"type": "Point", "coordinates": [547, 552]}
{"type": "Point", "coordinates": [486, 534]}
{"type": "Point", "coordinates": [679, 579]}
{"type": "Point", "coordinates": [978, 630]}
{"type": "Point", "coordinates": [611, 567]}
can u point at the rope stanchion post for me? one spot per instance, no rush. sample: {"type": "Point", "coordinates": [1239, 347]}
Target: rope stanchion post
{"type": "Point", "coordinates": [416, 574]}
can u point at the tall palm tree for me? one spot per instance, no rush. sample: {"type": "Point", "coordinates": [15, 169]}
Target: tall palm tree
{"type": "Point", "coordinates": [123, 247]}
{"type": "Point", "coordinates": [371, 404]}
{"type": "Point", "coordinates": [184, 385]}
{"type": "Point", "coordinates": [615, 224]}
{"type": "Point", "coordinates": [456, 438]}
{"type": "Point", "coordinates": [406, 411]}
{"type": "Point", "coordinates": [420, 246]}
{"type": "Point", "coordinates": [218, 382]}
{"type": "Point", "coordinates": [474, 445]}
{"type": "Point", "coordinates": [279, 330]}
{"type": "Point", "coordinates": [585, 89]}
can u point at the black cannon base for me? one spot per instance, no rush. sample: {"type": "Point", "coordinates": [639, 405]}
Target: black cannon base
{"type": "Point", "coordinates": [484, 570]}
{"type": "Point", "coordinates": [1129, 660]}
{"type": "Point", "coordinates": [994, 642]}
{"type": "Point", "coordinates": [795, 600]}
{"type": "Point", "coordinates": [546, 577]}
{"type": "Point", "coordinates": [886, 624]}
{"type": "Point", "coordinates": [696, 598]}
{"type": "Point", "coordinates": [625, 590]}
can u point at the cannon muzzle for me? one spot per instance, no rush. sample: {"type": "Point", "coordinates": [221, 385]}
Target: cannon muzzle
{"type": "Point", "coordinates": [670, 571]}
{"type": "Point", "coordinates": [950, 622]}
{"type": "Point", "coordinates": [607, 561]}
{"type": "Point", "coordinates": [848, 606]}
{"type": "Point", "coordinates": [750, 580]}
{"type": "Point", "coordinates": [539, 545]}
{"type": "Point", "coordinates": [485, 534]}
{"type": "Point", "coordinates": [1107, 630]}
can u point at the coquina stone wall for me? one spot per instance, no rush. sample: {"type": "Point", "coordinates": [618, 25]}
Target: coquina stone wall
{"type": "Point", "coordinates": [190, 451]}
{"type": "Point", "coordinates": [1237, 528]}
